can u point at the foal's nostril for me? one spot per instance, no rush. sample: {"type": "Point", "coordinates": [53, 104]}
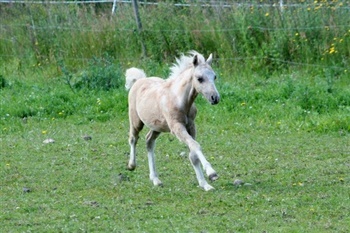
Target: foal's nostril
{"type": "Point", "coordinates": [214, 99]}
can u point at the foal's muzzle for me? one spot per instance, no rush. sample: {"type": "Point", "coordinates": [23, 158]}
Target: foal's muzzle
{"type": "Point", "coordinates": [214, 99]}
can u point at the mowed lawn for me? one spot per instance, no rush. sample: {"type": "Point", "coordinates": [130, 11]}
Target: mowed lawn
{"type": "Point", "coordinates": [270, 181]}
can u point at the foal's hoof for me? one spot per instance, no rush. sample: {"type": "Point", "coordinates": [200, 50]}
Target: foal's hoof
{"type": "Point", "coordinates": [131, 168]}
{"type": "Point", "coordinates": [208, 187]}
{"type": "Point", "coordinates": [157, 182]}
{"type": "Point", "coordinates": [213, 177]}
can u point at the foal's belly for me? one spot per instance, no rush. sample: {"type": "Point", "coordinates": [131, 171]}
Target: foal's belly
{"type": "Point", "coordinates": [153, 120]}
{"type": "Point", "coordinates": [158, 126]}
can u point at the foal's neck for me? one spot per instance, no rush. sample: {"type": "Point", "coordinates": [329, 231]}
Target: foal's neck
{"type": "Point", "coordinates": [184, 89]}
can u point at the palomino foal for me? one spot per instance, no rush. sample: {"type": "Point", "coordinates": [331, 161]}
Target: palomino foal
{"type": "Point", "coordinates": [167, 105]}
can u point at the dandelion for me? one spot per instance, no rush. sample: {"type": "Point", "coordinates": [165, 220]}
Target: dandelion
{"type": "Point", "coordinates": [341, 179]}
{"type": "Point", "coordinates": [332, 49]}
{"type": "Point", "coordinates": [44, 132]}
{"type": "Point", "coordinates": [267, 14]}
{"type": "Point", "coordinates": [243, 104]}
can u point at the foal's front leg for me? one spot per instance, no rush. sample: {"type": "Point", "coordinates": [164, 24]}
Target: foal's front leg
{"type": "Point", "coordinates": [151, 142]}
{"type": "Point", "coordinates": [196, 155]}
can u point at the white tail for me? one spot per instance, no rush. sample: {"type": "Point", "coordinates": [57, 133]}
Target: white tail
{"type": "Point", "coordinates": [132, 75]}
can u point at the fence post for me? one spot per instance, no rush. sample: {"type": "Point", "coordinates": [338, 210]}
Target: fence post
{"type": "Point", "coordinates": [281, 5]}
{"type": "Point", "coordinates": [139, 26]}
{"type": "Point", "coordinates": [114, 6]}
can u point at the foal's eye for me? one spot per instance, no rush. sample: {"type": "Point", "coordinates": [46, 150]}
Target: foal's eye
{"type": "Point", "coordinates": [200, 79]}
{"type": "Point", "coordinates": [215, 77]}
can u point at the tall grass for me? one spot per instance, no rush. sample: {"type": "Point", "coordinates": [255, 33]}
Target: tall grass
{"type": "Point", "coordinates": [261, 37]}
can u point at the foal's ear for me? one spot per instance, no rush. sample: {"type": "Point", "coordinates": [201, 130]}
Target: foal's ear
{"type": "Point", "coordinates": [210, 59]}
{"type": "Point", "coordinates": [195, 60]}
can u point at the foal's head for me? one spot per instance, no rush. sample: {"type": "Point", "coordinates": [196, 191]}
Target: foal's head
{"type": "Point", "coordinates": [204, 77]}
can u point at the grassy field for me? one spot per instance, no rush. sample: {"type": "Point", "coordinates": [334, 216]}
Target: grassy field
{"type": "Point", "coordinates": [279, 139]}
{"type": "Point", "coordinates": [295, 171]}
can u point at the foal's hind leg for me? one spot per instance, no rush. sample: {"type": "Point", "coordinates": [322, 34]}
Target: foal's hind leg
{"type": "Point", "coordinates": [136, 126]}
{"type": "Point", "coordinates": [151, 142]}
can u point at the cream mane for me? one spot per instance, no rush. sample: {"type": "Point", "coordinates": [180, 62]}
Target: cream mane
{"type": "Point", "coordinates": [183, 63]}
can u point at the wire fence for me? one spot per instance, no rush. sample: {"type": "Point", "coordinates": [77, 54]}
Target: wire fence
{"type": "Point", "coordinates": [292, 29]}
{"type": "Point", "coordinates": [282, 4]}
